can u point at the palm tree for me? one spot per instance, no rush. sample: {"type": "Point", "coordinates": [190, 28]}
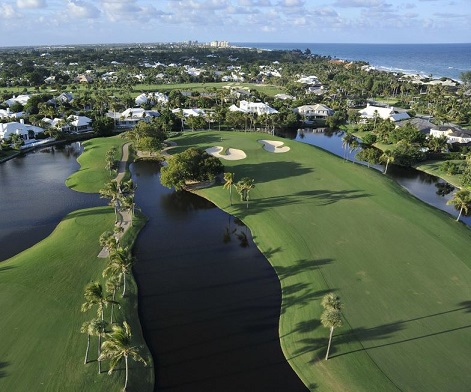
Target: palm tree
{"type": "Point", "coordinates": [346, 141]}
{"type": "Point", "coordinates": [112, 192]}
{"type": "Point", "coordinates": [244, 186]}
{"type": "Point", "coordinates": [88, 329]}
{"type": "Point", "coordinates": [120, 264]}
{"type": "Point", "coordinates": [118, 346]}
{"type": "Point", "coordinates": [461, 201]}
{"type": "Point", "coordinates": [94, 296]}
{"type": "Point", "coordinates": [112, 285]}
{"type": "Point", "coordinates": [388, 157]}
{"type": "Point", "coordinates": [229, 178]}
{"type": "Point", "coordinates": [331, 316]}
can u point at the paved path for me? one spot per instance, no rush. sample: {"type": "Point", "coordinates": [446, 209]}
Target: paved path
{"type": "Point", "coordinates": [124, 217]}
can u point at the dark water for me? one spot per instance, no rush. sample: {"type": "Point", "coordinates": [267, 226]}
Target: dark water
{"type": "Point", "coordinates": [439, 60]}
{"type": "Point", "coordinates": [34, 198]}
{"type": "Point", "coordinates": [209, 300]}
{"type": "Point", "coordinates": [422, 185]}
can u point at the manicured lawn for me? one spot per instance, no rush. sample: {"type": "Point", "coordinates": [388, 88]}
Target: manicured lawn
{"type": "Point", "coordinates": [401, 268]}
{"type": "Point", "coordinates": [41, 289]}
{"type": "Point", "coordinates": [433, 167]}
{"type": "Point", "coordinates": [92, 174]}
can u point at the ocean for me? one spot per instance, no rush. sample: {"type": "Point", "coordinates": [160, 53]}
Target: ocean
{"type": "Point", "coordinates": [438, 60]}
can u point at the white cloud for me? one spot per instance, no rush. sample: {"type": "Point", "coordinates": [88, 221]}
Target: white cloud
{"type": "Point", "coordinates": [291, 3]}
{"type": "Point", "coordinates": [82, 9]}
{"type": "Point", "coordinates": [7, 11]}
{"type": "Point", "coordinates": [255, 3]}
{"type": "Point", "coordinates": [357, 3]}
{"type": "Point", "coordinates": [31, 3]}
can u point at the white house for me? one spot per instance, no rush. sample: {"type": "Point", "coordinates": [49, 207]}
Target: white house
{"type": "Point", "coordinates": [311, 80]}
{"type": "Point", "coordinates": [253, 107]}
{"type": "Point", "coordinates": [314, 112]}
{"type": "Point", "coordinates": [27, 132]}
{"type": "Point", "coordinates": [388, 113]}
{"type": "Point", "coordinates": [130, 117]}
{"type": "Point", "coordinates": [151, 98]}
{"type": "Point", "coordinates": [21, 99]}
{"type": "Point", "coordinates": [7, 113]}
{"type": "Point", "coordinates": [452, 134]}
{"type": "Point", "coordinates": [190, 112]}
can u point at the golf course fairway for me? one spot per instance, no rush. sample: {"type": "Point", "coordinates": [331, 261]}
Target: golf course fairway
{"type": "Point", "coordinates": [400, 267]}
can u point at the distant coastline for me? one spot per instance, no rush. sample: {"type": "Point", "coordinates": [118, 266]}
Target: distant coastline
{"type": "Point", "coordinates": [438, 60]}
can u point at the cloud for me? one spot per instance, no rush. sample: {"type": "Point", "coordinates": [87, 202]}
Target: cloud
{"type": "Point", "coordinates": [31, 3]}
{"type": "Point", "coordinates": [7, 11]}
{"type": "Point", "coordinates": [357, 3]}
{"type": "Point", "coordinates": [291, 3]}
{"type": "Point", "coordinates": [255, 3]}
{"type": "Point", "coordinates": [82, 9]}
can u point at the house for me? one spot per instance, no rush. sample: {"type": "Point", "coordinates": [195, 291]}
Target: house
{"type": "Point", "coordinates": [253, 107]}
{"type": "Point", "coordinates": [314, 112]}
{"type": "Point", "coordinates": [452, 134]}
{"type": "Point", "coordinates": [190, 112]}
{"type": "Point", "coordinates": [386, 113]}
{"type": "Point", "coordinates": [151, 98]}
{"type": "Point", "coordinates": [310, 80]}
{"type": "Point", "coordinates": [83, 78]}
{"type": "Point", "coordinates": [78, 124]}
{"type": "Point", "coordinates": [27, 132]}
{"type": "Point", "coordinates": [21, 99]}
{"type": "Point", "coordinates": [284, 97]}
{"type": "Point", "coordinates": [7, 113]}
{"type": "Point", "coordinates": [130, 117]}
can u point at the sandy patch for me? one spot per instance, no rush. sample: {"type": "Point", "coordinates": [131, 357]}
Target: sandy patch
{"type": "Point", "coordinates": [274, 146]}
{"type": "Point", "coordinates": [232, 154]}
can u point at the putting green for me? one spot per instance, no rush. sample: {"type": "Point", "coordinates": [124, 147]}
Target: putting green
{"type": "Point", "coordinates": [401, 268]}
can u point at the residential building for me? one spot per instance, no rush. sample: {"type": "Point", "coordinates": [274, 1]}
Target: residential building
{"type": "Point", "coordinates": [386, 113]}
{"type": "Point", "coordinates": [452, 134]}
{"type": "Point", "coordinates": [130, 117]}
{"type": "Point", "coordinates": [314, 112]}
{"type": "Point", "coordinates": [26, 131]}
{"type": "Point", "coordinates": [253, 107]}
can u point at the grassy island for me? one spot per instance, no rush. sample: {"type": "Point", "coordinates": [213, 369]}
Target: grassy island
{"type": "Point", "coordinates": [401, 268]}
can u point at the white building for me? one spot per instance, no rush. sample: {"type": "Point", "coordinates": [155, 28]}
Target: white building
{"type": "Point", "coordinates": [190, 112]}
{"type": "Point", "coordinates": [314, 112]}
{"type": "Point", "coordinates": [27, 132]}
{"type": "Point", "coordinates": [7, 113]}
{"type": "Point", "coordinates": [388, 113]}
{"type": "Point", "coordinates": [151, 98]}
{"type": "Point", "coordinates": [21, 99]}
{"type": "Point", "coordinates": [130, 117]}
{"type": "Point", "coordinates": [253, 107]}
{"type": "Point", "coordinates": [452, 134]}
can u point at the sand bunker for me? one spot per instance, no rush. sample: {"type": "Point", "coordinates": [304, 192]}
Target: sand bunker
{"type": "Point", "coordinates": [231, 154]}
{"type": "Point", "coordinates": [274, 146]}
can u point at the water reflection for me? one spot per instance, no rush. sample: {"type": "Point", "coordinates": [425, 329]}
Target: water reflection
{"type": "Point", "coordinates": [34, 198]}
{"type": "Point", "coordinates": [209, 301]}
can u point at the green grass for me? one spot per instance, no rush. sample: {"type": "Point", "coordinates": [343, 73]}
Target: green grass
{"type": "Point", "coordinates": [433, 167]}
{"type": "Point", "coordinates": [401, 268]}
{"type": "Point", "coordinates": [92, 174]}
{"type": "Point", "coordinates": [42, 290]}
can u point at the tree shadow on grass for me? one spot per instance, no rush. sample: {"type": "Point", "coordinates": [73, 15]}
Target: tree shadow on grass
{"type": "Point", "coordinates": [466, 305]}
{"type": "Point", "coordinates": [3, 365]}
{"type": "Point", "coordinates": [300, 294]}
{"type": "Point", "coordinates": [301, 266]}
{"type": "Point", "coordinates": [330, 197]}
{"type": "Point", "coordinates": [6, 268]}
{"type": "Point", "coordinates": [270, 171]}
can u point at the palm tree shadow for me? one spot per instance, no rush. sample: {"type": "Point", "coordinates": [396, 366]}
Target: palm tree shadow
{"type": "Point", "coordinates": [3, 365]}
{"type": "Point", "coordinates": [330, 197]}
{"type": "Point", "coordinates": [466, 305]}
{"type": "Point", "coordinates": [301, 266]}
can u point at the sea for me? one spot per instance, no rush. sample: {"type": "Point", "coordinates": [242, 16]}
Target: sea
{"type": "Point", "coordinates": [436, 60]}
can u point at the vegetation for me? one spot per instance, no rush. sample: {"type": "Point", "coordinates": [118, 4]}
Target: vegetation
{"type": "Point", "coordinates": [42, 292]}
{"type": "Point", "coordinates": [327, 226]}
{"type": "Point", "coordinates": [192, 165]}
{"type": "Point", "coordinates": [331, 317]}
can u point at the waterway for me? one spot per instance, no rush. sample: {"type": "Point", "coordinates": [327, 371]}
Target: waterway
{"type": "Point", "coordinates": [34, 198]}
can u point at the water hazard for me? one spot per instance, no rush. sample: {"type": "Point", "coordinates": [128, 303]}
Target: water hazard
{"type": "Point", "coordinates": [209, 300]}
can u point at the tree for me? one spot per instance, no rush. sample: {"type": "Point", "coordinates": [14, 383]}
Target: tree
{"type": "Point", "coordinates": [112, 191]}
{"type": "Point", "coordinates": [88, 329]}
{"type": "Point", "coordinates": [387, 157]}
{"type": "Point", "coordinates": [243, 187]}
{"type": "Point", "coordinates": [94, 295]}
{"type": "Point", "coordinates": [370, 155]}
{"type": "Point", "coordinates": [461, 201]}
{"type": "Point", "coordinates": [331, 316]}
{"type": "Point", "coordinates": [112, 285]}
{"type": "Point", "coordinates": [117, 346]}
{"type": "Point", "coordinates": [229, 178]}
{"type": "Point", "coordinates": [120, 264]}
{"type": "Point", "coordinates": [192, 164]}
{"type": "Point", "coordinates": [346, 141]}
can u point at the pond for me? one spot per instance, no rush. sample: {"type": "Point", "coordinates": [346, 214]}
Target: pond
{"type": "Point", "coordinates": [209, 300]}
{"type": "Point", "coordinates": [34, 198]}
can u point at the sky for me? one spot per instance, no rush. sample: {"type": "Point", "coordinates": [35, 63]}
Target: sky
{"type": "Point", "coordinates": [61, 22]}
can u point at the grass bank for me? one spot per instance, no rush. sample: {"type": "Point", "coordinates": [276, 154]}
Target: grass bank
{"type": "Point", "coordinates": [433, 168]}
{"type": "Point", "coordinates": [401, 268]}
{"type": "Point", "coordinates": [42, 291]}
{"type": "Point", "coordinates": [92, 174]}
